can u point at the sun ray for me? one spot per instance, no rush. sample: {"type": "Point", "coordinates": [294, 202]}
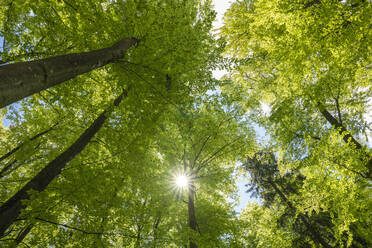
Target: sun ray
{"type": "Point", "coordinates": [182, 181]}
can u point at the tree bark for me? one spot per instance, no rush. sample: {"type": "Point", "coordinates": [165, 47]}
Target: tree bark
{"type": "Point", "coordinates": [191, 210]}
{"type": "Point", "coordinates": [11, 209]}
{"type": "Point", "coordinates": [346, 136]}
{"type": "Point", "coordinates": [23, 79]}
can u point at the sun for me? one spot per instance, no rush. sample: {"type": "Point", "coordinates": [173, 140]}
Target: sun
{"type": "Point", "coordinates": [182, 181]}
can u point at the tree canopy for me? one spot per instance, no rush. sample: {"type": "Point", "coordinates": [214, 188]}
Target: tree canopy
{"type": "Point", "coordinates": [106, 102]}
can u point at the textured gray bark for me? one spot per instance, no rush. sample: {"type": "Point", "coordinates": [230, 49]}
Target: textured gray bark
{"type": "Point", "coordinates": [23, 79]}
{"type": "Point", "coordinates": [11, 209]}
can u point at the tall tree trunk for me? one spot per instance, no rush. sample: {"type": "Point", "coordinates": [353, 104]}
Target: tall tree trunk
{"type": "Point", "coordinates": [316, 237]}
{"type": "Point", "coordinates": [347, 137]}
{"type": "Point", "coordinates": [23, 79]}
{"type": "Point", "coordinates": [32, 138]}
{"type": "Point", "coordinates": [191, 210]}
{"type": "Point", "coordinates": [9, 167]}
{"type": "Point", "coordinates": [21, 236]}
{"type": "Point", "coordinates": [11, 209]}
{"type": "Point", "coordinates": [155, 229]}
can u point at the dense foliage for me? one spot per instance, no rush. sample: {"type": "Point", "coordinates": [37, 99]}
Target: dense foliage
{"type": "Point", "coordinates": [308, 62]}
{"type": "Point", "coordinates": [299, 69]}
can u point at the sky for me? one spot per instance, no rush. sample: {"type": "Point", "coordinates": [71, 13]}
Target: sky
{"type": "Point", "coordinates": [220, 6]}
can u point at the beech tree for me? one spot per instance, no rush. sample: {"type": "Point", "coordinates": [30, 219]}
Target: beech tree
{"type": "Point", "coordinates": [308, 61]}
{"type": "Point", "coordinates": [22, 79]}
{"type": "Point", "coordinates": [302, 71]}
{"type": "Point", "coordinates": [174, 62]}
{"type": "Point", "coordinates": [10, 210]}
{"type": "Point", "coordinates": [206, 143]}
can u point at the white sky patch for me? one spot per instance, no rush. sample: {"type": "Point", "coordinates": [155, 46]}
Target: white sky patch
{"type": "Point", "coordinates": [266, 109]}
{"type": "Point", "coordinates": [220, 6]}
{"type": "Point", "coordinates": [217, 74]}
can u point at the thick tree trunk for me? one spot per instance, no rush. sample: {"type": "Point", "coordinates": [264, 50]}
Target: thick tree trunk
{"type": "Point", "coordinates": [191, 210]}
{"type": "Point", "coordinates": [23, 79]}
{"type": "Point", "coordinates": [317, 238]}
{"type": "Point", "coordinates": [347, 137]}
{"type": "Point", "coordinates": [11, 209]}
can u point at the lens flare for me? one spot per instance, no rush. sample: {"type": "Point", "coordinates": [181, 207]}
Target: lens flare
{"type": "Point", "coordinates": [181, 181]}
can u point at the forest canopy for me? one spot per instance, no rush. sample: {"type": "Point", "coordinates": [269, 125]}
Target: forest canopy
{"type": "Point", "coordinates": [115, 133]}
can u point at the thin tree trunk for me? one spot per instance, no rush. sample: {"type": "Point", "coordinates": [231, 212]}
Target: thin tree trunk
{"type": "Point", "coordinates": [317, 238]}
{"type": "Point", "coordinates": [347, 137]}
{"type": "Point", "coordinates": [21, 236]}
{"type": "Point", "coordinates": [11, 209]}
{"type": "Point", "coordinates": [191, 210]}
{"type": "Point", "coordinates": [155, 229]}
{"type": "Point", "coordinates": [8, 167]}
{"type": "Point", "coordinates": [341, 129]}
{"type": "Point", "coordinates": [140, 227]}
{"type": "Point", "coordinates": [32, 138]}
{"type": "Point", "coordinates": [23, 79]}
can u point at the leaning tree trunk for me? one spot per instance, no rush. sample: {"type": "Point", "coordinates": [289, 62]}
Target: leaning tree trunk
{"type": "Point", "coordinates": [23, 79]}
{"type": "Point", "coordinates": [14, 150]}
{"type": "Point", "coordinates": [11, 209]}
{"type": "Point", "coordinates": [347, 137]}
{"type": "Point", "coordinates": [9, 167]}
{"type": "Point", "coordinates": [21, 236]}
{"type": "Point", "coordinates": [191, 210]}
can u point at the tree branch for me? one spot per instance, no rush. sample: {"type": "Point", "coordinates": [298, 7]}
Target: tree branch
{"type": "Point", "coordinates": [81, 230]}
{"type": "Point", "coordinates": [338, 110]}
{"type": "Point", "coordinates": [214, 154]}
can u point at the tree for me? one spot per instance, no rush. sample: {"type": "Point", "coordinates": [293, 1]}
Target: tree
{"type": "Point", "coordinates": [285, 190]}
{"type": "Point", "coordinates": [173, 64]}
{"type": "Point", "coordinates": [267, 183]}
{"type": "Point", "coordinates": [206, 142]}
{"type": "Point", "coordinates": [308, 61]}
{"type": "Point", "coordinates": [22, 79]}
{"type": "Point", "coordinates": [11, 209]}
